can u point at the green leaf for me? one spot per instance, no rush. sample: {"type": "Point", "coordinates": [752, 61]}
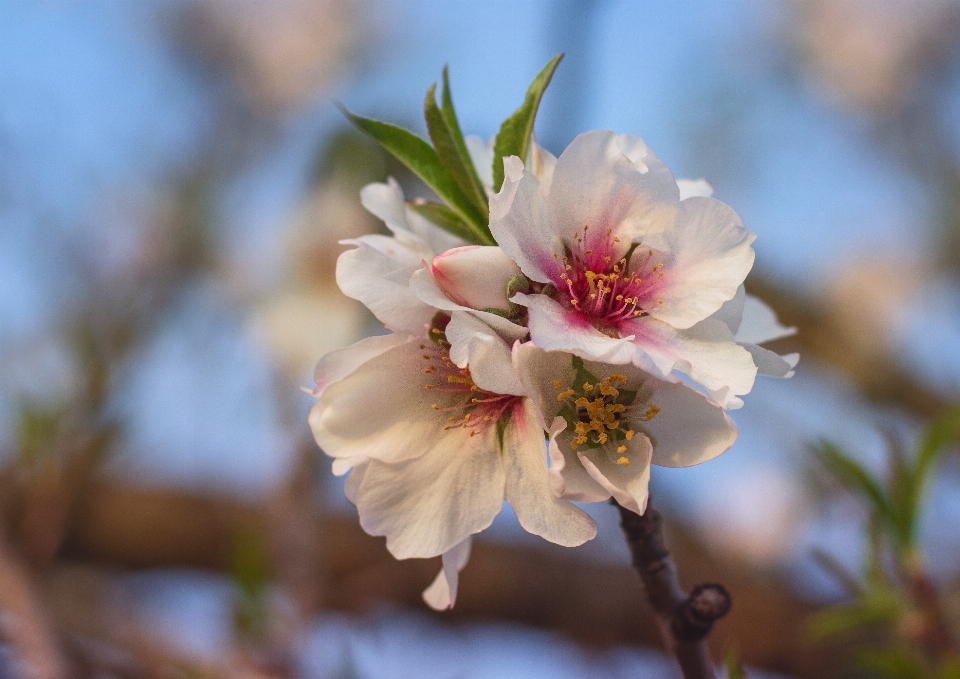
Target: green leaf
{"type": "Point", "coordinates": [875, 608]}
{"type": "Point", "coordinates": [513, 139]}
{"type": "Point", "coordinates": [423, 160]}
{"type": "Point", "coordinates": [450, 117]}
{"type": "Point", "coordinates": [450, 221]}
{"type": "Point", "coordinates": [893, 663]}
{"type": "Point", "coordinates": [854, 476]}
{"type": "Point", "coordinates": [457, 163]}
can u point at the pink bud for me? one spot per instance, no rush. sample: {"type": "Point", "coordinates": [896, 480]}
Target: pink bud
{"type": "Point", "coordinates": [475, 276]}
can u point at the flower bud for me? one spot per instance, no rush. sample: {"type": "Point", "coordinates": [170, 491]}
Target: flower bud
{"type": "Point", "coordinates": [476, 276]}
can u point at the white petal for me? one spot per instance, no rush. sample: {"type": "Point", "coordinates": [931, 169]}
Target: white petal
{"type": "Point", "coordinates": [337, 364]}
{"type": "Point", "coordinates": [386, 202]}
{"type": "Point", "coordinates": [528, 488]}
{"type": "Point", "coordinates": [542, 164]}
{"type": "Point", "coordinates": [770, 363]}
{"type": "Point", "coordinates": [708, 256]}
{"type": "Point", "coordinates": [442, 593]}
{"type": "Point", "coordinates": [475, 276]}
{"type": "Point", "coordinates": [694, 187]}
{"type": "Point", "coordinates": [382, 409]}
{"type": "Point", "coordinates": [760, 323]}
{"type": "Point", "coordinates": [731, 312]}
{"type": "Point", "coordinates": [628, 484]}
{"type": "Point", "coordinates": [474, 344]}
{"type": "Point", "coordinates": [423, 284]}
{"type": "Point", "coordinates": [611, 182]}
{"type": "Point", "coordinates": [569, 479]}
{"type": "Point", "coordinates": [425, 506]}
{"type": "Point", "coordinates": [481, 153]}
{"type": "Point", "coordinates": [706, 352]}
{"type": "Point", "coordinates": [377, 273]}
{"type": "Point", "coordinates": [688, 429]}
{"type": "Point", "coordinates": [521, 223]}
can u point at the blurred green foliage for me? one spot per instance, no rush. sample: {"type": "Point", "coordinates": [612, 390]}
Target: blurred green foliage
{"type": "Point", "coordinates": [896, 607]}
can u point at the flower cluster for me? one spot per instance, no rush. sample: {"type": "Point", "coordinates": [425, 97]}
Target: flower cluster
{"type": "Point", "coordinates": [606, 330]}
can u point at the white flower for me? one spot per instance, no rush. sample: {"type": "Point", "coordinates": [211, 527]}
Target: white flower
{"type": "Point", "coordinates": [629, 272]}
{"type": "Point", "coordinates": [607, 424]}
{"type": "Point", "coordinates": [434, 447]}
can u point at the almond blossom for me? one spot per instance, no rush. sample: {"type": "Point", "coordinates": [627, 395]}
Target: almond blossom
{"type": "Point", "coordinates": [625, 271]}
{"type": "Point", "coordinates": [434, 448]}
{"type": "Point", "coordinates": [607, 424]}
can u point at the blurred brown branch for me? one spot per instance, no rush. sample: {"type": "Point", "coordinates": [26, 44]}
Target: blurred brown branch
{"type": "Point", "coordinates": [118, 526]}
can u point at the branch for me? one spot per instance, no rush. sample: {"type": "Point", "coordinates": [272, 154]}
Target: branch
{"type": "Point", "coordinates": [684, 620]}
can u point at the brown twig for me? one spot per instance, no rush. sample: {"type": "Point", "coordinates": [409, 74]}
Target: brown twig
{"type": "Point", "coordinates": [685, 620]}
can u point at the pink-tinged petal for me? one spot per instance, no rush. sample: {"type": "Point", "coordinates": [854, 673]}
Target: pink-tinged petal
{"type": "Point", "coordinates": [688, 429]}
{"type": "Point", "coordinates": [771, 363]}
{"type": "Point", "coordinates": [426, 506]}
{"type": "Point", "coordinates": [521, 223]}
{"type": "Point", "coordinates": [611, 182]}
{"type": "Point", "coordinates": [473, 343]}
{"type": "Point", "coordinates": [377, 273]}
{"type": "Point", "coordinates": [425, 287]}
{"type": "Point", "coordinates": [442, 593]}
{"type": "Point", "coordinates": [528, 488]}
{"type": "Point", "coordinates": [760, 323]}
{"type": "Point", "coordinates": [554, 328]}
{"type": "Point", "coordinates": [475, 276]}
{"type": "Point", "coordinates": [708, 255]}
{"type": "Point", "coordinates": [706, 352]}
{"type": "Point", "coordinates": [337, 364]}
{"type": "Point", "coordinates": [389, 419]}
{"type": "Point", "coordinates": [627, 483]}
{"type": "Point", "coordinates": [690, 188]}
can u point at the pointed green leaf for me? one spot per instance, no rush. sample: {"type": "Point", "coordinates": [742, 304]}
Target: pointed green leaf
{"type": "Point", "coordinates": [456, 162]}
{"type": "Point", "coordinates": [422, 159]}
{"type": "Point", "coordinates": [854, 476]}
{"type": "Point", "coordinates": [450, 116]}
{"type": "Point", "coordinates": [448, 220]}
{"type": "Point", "coordinates": [514, 136]}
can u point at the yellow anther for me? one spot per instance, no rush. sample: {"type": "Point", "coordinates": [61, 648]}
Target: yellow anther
{"type": "Point", "coordinates": [587, 387]}
{"type": "Point", "coordinates": [435, 406]}
{"type": "Point", "coordinates": [651, 412]}
{"type": "Point", "coordinates": [602, 437]}
{"type": "Point", "coordinates": [617, 377]}
{"type": "Point", "coordinates": [629, 434]}
{"type": "Point", "coordinates": [556, 384]}
{"type": "Point", "coordinates": [564, 395]}
{"type": "Point", "coordinates": [582, 402]}
{"type": "Point", "coordinates": [623, 461]}
{"type": "Point", "coordinates": [458, 379]}
{"type": "Point", "coordinates": [621, 449]}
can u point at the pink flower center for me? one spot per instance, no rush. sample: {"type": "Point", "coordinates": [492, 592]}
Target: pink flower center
{"type": "Point", "coordinates": [608, 287]}
{"type": "Point", "coordinates": [464, 404]}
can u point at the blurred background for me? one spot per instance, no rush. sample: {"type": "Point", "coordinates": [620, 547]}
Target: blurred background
{"type": "Point", "coordinates": [174, 178]}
